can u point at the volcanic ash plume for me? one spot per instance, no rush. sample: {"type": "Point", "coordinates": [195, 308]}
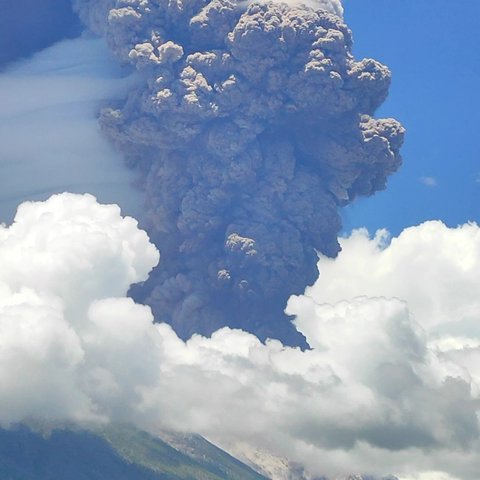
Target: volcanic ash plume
{"type": "Point", "coordinates": [253, 125]}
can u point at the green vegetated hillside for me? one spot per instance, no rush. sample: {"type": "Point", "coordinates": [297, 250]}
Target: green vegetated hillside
{"type": "Point", "coordinates": [116, 452]}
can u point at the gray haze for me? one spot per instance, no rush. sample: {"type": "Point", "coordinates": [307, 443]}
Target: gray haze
{"type": "Point", "coordinates": [252, 127]}
{"type": "Point", "coordinates": [50, 140]}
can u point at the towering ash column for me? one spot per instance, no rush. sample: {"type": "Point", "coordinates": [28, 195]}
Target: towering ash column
{"type": "Point", "coordinates": [252, 125]}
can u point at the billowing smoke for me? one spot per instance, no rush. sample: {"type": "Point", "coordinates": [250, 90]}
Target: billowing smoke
{"type": "Point", "coordinates": [50, 140]}
{"type": "Point", "coordinates": [252, 126]}
{"type": "Point", "coordinates": [378, 392]}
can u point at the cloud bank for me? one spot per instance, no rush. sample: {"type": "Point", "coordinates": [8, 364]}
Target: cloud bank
{"type": "Point", "coordinates": [64, 262]}
{"type": "Point", "coordinates": [383, 390]}
{"type": "Point", "coordinates": [432, 267]}
{"type": "Point", "coordinates": [50, 140]}
{"type": "Point", "coordinates": [252, 126]}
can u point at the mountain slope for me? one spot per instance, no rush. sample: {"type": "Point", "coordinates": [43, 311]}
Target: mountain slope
{"type": "Point", "coordinates": [113, 453]}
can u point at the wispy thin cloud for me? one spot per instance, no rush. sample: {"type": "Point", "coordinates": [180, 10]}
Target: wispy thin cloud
{"type": "Point", "coordinates": [50, 140]}
{"type": "Point", "coordinates": [429, 181]}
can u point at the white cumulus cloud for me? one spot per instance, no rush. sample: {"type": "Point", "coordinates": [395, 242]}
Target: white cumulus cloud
{"type": "Point", "coordinates": [63, 261]}
{"type": "Point", "coordinates": [374, 394]}
{"type": "Point", "coordinates": [435, 269]}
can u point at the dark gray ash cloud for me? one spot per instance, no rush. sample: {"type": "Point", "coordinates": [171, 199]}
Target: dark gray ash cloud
{"type": "Point", "coordinates": [252, 127]}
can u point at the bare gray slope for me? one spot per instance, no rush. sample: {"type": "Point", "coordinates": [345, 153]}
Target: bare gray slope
{"type": "Point", "coordinates": [116, 452]}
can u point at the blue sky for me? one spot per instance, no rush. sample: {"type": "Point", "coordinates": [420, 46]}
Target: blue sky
{"type": "Point", "coordinates": [432, 49]}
